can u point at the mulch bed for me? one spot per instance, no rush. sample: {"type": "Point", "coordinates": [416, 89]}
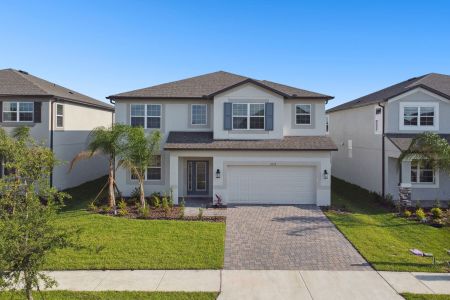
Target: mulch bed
{"type": "Point", "coordinates": [174, 213]}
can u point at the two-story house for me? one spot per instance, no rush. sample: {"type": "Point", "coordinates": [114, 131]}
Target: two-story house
{"type": "Point", "coordinates": [371, 132]}
{"type": "Point", "coordinates": [237, 138]}
{"type": "Point", "coordinates": [58, 117]}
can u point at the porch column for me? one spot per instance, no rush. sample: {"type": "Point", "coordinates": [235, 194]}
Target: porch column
{"type": "Point", "coordinates": [173, 181]}
{"type": "Point", "coordinates": [406, 173]}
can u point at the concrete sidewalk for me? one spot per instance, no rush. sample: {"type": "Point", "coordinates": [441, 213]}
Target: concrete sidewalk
{"type": "Point", "coordinates": [260, 284]}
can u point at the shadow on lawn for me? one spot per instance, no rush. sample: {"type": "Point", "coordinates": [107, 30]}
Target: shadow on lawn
{"type": "Point", "coordinates": [427, 266]}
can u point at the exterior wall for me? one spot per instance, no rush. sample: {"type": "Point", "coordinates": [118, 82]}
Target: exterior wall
{"type": "Point", "coordinates": [318, 118]}
{"type": "Point", "coordinates": [251, 94]}
{"type": "Point", "coordinates": [362, 164]}
{"type": "Point", "coordinates": [223, 159]}
{"type": "Point", "coordinates": [417, 95]}
{"type": "Point", "coordinates": [39, 131]}
{"type": "Point", "coordinates": [68, 141]}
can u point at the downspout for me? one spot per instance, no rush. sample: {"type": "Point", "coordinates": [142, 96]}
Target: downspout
{"type": "Point", "coordinates": [383, 155]}
{"type": "Point", "coordinates": [51, 136]}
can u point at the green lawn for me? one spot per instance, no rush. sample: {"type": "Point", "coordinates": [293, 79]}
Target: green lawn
{"type": "Point", "coordinates": [58, 295]}
{"type": "Point", "coordinates": [119, 243]}
{"type": "Point", "coordinates": [384, 239]}
{"type": "Point", "coordinates": [425, 297]}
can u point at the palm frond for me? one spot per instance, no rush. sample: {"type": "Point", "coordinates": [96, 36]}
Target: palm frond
{"type": "Point", "coordinates": [82, 155]}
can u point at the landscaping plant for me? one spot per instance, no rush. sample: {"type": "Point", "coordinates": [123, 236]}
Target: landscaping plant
{"type": "Point", "coordinates": [200, 213]}
{"type": "Point", "coordinates": [108, 142]}
{"type": "Point", "coordinates": [123, 210]}
{"type": "Point", "coordinates": [420, 214]}
{"type": "Point", "coordinates": [436, 213]}
{"type": "Point", "coordinates": [28, 209]}
{"type": "Point", "coordinates": [407, 214]}
{"type": "Point", "coordinates": [139, 153]}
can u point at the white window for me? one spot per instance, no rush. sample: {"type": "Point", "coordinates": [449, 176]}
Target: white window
{"type": "Point", "coordinates": [327, 124]}
{"type": "Point", "coordinates": [416, 116]}
{"type": "Point", "coordinates": [145, 115]}
{"type": "Point", "coordinates": [248, 115]}
{"type": "Point", "coordinates": [18, 111]}
{"type": "Point", "coordinates": [153, 172]}
{"type": "Point", "coordinates": [350, 148]}
{"type": "Point", "coordinates": [422, 173]}
{"type": "Point", "coordinates": [378, 120]}
{"type": "Point", "coordinates": [199, 114]}
{"type": "Point", "coordinates": [59, 116]}
{"type": "Point", "coordinates": [303, 114]}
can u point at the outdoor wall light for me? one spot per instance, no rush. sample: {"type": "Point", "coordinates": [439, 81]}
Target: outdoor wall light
{"type": "Point", "coordinates": [218, 173]}
{"type": "Point", "coordinates": [325, 174]}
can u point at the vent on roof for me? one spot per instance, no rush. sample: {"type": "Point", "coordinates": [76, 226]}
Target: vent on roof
{"type": "Point", "coordinates": [70, 92]}
{"type": "Point", "coordinates": [23, 72]}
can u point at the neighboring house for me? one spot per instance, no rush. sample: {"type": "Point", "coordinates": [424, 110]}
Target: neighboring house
{"type": "Point", "coordinates": [244, 140]}
{"type": "Point", "coordinates": [59, 117]}
{"type": "Point", "coordinates": [398, 113]}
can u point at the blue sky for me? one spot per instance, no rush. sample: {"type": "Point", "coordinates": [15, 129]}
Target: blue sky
{"type": "Point", "coordinates": [342, 48]}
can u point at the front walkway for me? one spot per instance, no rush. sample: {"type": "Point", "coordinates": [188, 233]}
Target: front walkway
{"type": "Point", "coordinates": [260, 284]}
{"type": "Point", "coordinates": [286, 238]}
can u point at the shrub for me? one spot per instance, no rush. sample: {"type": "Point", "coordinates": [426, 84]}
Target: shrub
{"type": "Point", "coordinates": [165, 205]}
{"type": "Point", "coordinates": [92, 206]}
{"type": "Point", "coordinates": [418, 205]}
{"type": "Point", "coordinates": [200, 213]}
{"type": "Point", "coordinates": [436, 213]}
{"type": "Point", "coordinates": [437, 204]}
{"type": "Point", "coordinates": [182, 209]}
{"type": "Point", "coordinates": [420, 214]}
{"type": "Point", "coordinates": [170, 198]}
{"type": "Point", "coordinates": [407, 213]}
{"type": "Point", "coordinates": [144, 212]}
{"type": "Point", "coordinates": [135, 194]}
{"type": "Point", "coordinates": [155, 200]}
{"type": "Point", "coordinates": [123, 210]}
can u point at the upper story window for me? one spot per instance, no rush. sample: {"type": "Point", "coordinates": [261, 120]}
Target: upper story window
{"type": "Point", "coordinates": [378, 120]}
{"type": "Point", "coordinates": [303, 114]}
{"type": "Point", "coordinates": [18, 111]}
{"type": "Point", "coordinates": [248, 115]}
{"type": "Point", "coordinates": [199, 114]}
{"type": "Point", "coordinates": [59, 115]}
{"type": "Point", "coordinates": [422, 173]}
{"type": "Point", "coordinates": [327, 124]}
{"type": "Point", "coordinates": [419, 116]}
{"type": "Point", "coordinates": [145, 115]}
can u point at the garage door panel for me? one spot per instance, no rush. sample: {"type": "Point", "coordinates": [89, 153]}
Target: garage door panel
{"type": "Point", "coordinates": [271, 184]}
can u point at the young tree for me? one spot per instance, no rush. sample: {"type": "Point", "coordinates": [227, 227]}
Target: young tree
{"type": "Point", "coordinates": [139, 154]}
{"type": "Point", "coordinates": [105, 141]}
{"type": "Point", "coordinates": [28, 206]}
{"type": "Point", "coordinates": [430, 148]}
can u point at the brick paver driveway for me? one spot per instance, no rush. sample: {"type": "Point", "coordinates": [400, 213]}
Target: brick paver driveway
{"type": "Point", "coordinates": [286, 238]}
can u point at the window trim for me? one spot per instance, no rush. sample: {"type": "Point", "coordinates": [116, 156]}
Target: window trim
{"type": "Point", "coordinates": [248, 116]}
{"type": "Point", "coordinates": [419, 105]}
{"type": "Point", "coordinates": [419, 184]}
{"type": "Point", "coordinates": [17, 112]}
{"type": "Point", "coordinates": [206, 114]}
{"type": "Point", "coordinates": [327, 124]}
{"type": "Point", "coordinates": [146, 115]}
{"type": "Point", "coordinates": [59, 115]}
{"type": "Point", "coordinates": [303, 114]}
{"type": "Point", "coordinates": [378, 121]}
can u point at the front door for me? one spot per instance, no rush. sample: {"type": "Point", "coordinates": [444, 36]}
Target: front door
{"type": "Point", "coordinates": [197, 177]}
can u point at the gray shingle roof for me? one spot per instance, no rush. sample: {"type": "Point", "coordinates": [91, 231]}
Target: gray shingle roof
{"type": "Point", "coordinates": [437, 83]}
{"type": "Point", "coordinates": [20, 83]}
{"type": "Point", "coordinates": [205, 141]}
{"type": "Point", "coordinates": [403, 140]}
{"type": "Point", "coordinates": [208, 85]}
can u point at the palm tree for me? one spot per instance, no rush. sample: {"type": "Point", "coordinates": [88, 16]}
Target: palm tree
{"type": "Point", "coordinates": [139, 154]}
{"type": "Point", "coordinates": [108, 142]}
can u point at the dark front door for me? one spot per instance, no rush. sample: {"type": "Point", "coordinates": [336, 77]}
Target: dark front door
{"type": "Point", "coordinates": [197, 177]}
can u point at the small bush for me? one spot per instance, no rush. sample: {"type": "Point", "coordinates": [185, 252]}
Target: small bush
{"type": "Point", "coordinates": [200, 213]}
{"type": "Point", "coordinates": [104, 209]}
{"type": "Point", "coordinates": [92, 206]}
{"type": "Point", "coordinates": [123, 210]}
{"type": "Point", "coordinates": [165, 205]}
{"type": "Point", "coordinates": [155, 201]}
{"type": "Point", "coordinates": [418, 205]}
{"type": "Point", "coordinates": [170, 198]}
{"type": "Point", "coordinates": [144, 212]}
{"type": "Point", "coordinates": [135, 194]}
{"type": "Point", "coordinates": [436, 213]}
{"type": "Point", "coordinates": [182, 208]}
{"type": "Point", "coordinates": [437, 204]}
{"type": "Point", "coordinates": [420, 214]}
{"type": "Point", "coordinates": [407, 214]}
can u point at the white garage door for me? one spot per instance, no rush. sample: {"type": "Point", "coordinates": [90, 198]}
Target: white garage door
{"type": "Point", "coordinates": [271, 184]}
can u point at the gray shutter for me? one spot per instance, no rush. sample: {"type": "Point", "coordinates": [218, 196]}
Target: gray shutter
{"type": "Point", "coordinates": [227, 116]}
{"type": "Point", "coordinates": [269, 116]}
{"type": "Point", "coordinates": [37, 112]}
{"type": "Point", "coordinates": [1, 112]}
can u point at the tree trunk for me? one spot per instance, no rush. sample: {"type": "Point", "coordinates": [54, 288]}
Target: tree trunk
{"type": "Point", "coordinates": [111, 195]}
{"type": "Point", "coordinates": [141, 190]}
{"type": "Point", "coordinates": [28, 287]}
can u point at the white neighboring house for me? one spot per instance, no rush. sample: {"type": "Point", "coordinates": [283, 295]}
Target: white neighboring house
{"type": "Point", "coordinates": [57, 116]}
{"type": "Point", "coordinates": [397, 113]}
{"type": "Point", "coordinates": [229, 136]}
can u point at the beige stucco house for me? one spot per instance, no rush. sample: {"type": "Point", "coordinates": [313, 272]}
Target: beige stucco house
{"type": "Point", "coordinates": [57, 116]}
{"type": "Point", "coordinates": [232, 137]}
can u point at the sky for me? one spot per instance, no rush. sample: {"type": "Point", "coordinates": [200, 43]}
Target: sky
{"type": "Point", "coordinates": [346, 49]}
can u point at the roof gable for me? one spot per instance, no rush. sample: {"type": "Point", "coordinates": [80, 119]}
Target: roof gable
{"type": "Point", "coordinates": [209, 85]}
